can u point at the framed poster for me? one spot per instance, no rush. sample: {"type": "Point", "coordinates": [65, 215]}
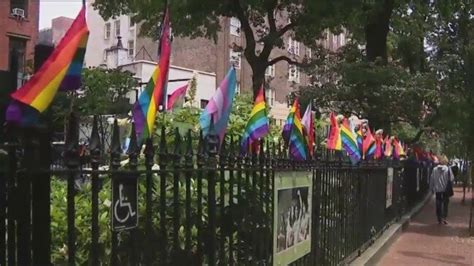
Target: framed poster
{"type": "Point", "coordinates": [389, 188]}
{"type": "Point", "coordinates": [292, 216]}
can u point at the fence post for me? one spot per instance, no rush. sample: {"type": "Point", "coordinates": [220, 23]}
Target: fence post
{"type": "Point", "coordinates": [149, 153]}
{"type": "Point", "coordinates": [115, 151]}
{"type": "Point", "coordinates": [95, 152]}
{"type": "Point", "coordinates": [163, 156]}
{"type": "Point", "coordinates": [212, 149]}
{"type": "Point", "coordinates": [41, 188]}
{"type": "Point", "coordinates": [133, 152]}
{"type": "Point", "coordinates": [72, 163]}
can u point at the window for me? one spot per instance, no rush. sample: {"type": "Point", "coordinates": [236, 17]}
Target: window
{"type": "Point", "coordinates": [17, 55]}
{"type": "Point", "coordinates": [204, 103]}
{"type": "Point", "coordinates": [131, 51]}
{"type": "Point", "coordinates": [293, 73]}
{"type": "Point", "coordinates": [235, 26]}
{"type": "Point", "coordinates": [117, 28]}
{"type": "Point", "coordinates": [270, 96]}
{"type": "Point", "coordinates": [270, 71]}
{"type": "Point", "coordinates": [235, 58]}
{"type": "Point", "coordinates": [107, 31]}
{"type": "Point", "coordinates": [22, 6]}
{"type": "Point", "coordinates": [293, 47]}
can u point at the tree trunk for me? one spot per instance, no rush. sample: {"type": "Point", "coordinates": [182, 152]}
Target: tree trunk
{"type": "Point", "coordinates": [376, 32]}
{"type": "Point", "coordinates": [258, 76]}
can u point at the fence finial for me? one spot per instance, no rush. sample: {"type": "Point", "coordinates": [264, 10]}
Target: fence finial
{"type": "Point", "coordinates": [177, 142]}
{"type": "Point", "coordinates": [95, 145]}
{"type": "Point", "coordinates": [133, 148]}
{"type": "Point", "coordinates": [72, 141]}
{"type": "Point", "coordinates": [115, 147]}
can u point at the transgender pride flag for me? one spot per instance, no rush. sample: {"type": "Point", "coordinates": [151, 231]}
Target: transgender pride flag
{"type": "Point", "coordinates": [220, 106]}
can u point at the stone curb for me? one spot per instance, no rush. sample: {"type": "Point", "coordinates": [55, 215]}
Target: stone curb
{"type": "Point", "coordinates": [375, 252]}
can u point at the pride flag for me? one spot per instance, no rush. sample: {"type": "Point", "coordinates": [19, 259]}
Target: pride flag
{"type": "Point", "coordinates": [349, 142]}
{"type": "Point", "coordinates": [334, 139]}
{"type": "Point", "coordinates": [396, 148]}
{"type": "Point", "coordinates": [176, 96]}
{"type": "Point", "coordinates": [220, 106]}
{"type": "Point", "coordinates": [378, 146]}
{"type": "Point", "coordinates": [297, 143]}
{"type": "Point", "coordinates": [145, 109]}
{"type": "Point", "coordinates": [257, 126]}
{"type": "Point", "coordinates": [308, 126]}
{"type": "Point", "coordinates": [388, 150]}
{"type": "Point", "coordinates": [61, 71]}
{"type": "Point", "coordinates": [368, 145]}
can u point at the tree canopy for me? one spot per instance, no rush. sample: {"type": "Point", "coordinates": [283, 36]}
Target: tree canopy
{"type": "Point", "coordinates": [408, 67]}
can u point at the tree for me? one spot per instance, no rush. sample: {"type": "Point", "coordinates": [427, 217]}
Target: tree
{"type": "Point", "coordinates": [265, 23]}
{"type": "Point", "coordinates": [105, 91]}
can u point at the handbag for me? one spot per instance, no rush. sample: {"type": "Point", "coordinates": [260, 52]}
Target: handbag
{"type": "Point", "coordinates": [449, 186]}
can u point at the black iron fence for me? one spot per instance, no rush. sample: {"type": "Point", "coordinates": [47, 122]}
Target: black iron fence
{"type": "Point", "coordinates": [183, 201]}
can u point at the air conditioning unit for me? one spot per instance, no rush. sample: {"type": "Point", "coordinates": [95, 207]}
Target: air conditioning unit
{"type": "Point", "coordinates": [18, 12]}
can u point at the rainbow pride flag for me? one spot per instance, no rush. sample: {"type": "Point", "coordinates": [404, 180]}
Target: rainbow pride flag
{"type": "Point", "coordinates": [388, 150]}
{"type": "Point", "coordinates": [145, 109]}
{"type": "Point", "coordinates": [257, 126]}
{"type": "Point", "coordinates": [349, 142]}
{"type": "Point", "coordinates": [61, 71]}
{"type": "Point", "coordinates": [368, 145]}
{"type": "Point", "coordinates": [334, 139]}
{"type": "Point", "coordinates": [297, 144]}
{"type": "Point", "coordinates": [219, 107]}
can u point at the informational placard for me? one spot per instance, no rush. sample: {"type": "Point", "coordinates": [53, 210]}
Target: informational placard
{"type": "Point", "coordinates": [389, 188]}
{"type": "Point", "coordinates": [292, 216]}
{"type": "Point", "coordinates": [124, 202]}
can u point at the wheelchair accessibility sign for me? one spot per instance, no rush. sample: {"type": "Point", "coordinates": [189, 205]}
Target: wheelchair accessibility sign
{"type": "Point", "coordinates": [124, 203]}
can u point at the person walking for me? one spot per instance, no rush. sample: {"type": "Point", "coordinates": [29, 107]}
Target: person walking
{"type": "Point", "coordinates": [441, 184]}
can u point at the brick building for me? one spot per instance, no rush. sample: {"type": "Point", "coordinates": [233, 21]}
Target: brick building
{"type": "Point", "coordinates": [59, 27]}
{"type": "Point", "coordinates": [18, 33]}
{"type": "Point", "coordinates": [207, 55]}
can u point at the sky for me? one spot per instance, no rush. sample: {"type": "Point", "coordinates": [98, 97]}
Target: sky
{"type": "Point", "coordinates": [50, 9]}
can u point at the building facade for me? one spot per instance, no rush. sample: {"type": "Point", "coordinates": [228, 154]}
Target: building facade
{"type": "Point", "coordinates": [207, 55]}
{"type": "Point", "coordinates": [59, 27]}
{"type": "Point", "coordinates": [19, 21]}
{"type": "Point", "coordinates": [104, 35]}
{"type": "Point", "coordinates": [212, 57]}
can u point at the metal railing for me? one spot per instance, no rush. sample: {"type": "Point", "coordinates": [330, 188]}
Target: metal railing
{"type": "Point", "coordinates": [194, 204]}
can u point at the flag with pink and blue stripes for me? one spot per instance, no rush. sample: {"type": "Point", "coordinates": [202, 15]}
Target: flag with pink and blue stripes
{"type": "Point", "coordinates": [220, 106]}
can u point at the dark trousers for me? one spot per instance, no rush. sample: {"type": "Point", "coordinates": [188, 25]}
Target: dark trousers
{"type": "Point", "coordinates": [442, 201]}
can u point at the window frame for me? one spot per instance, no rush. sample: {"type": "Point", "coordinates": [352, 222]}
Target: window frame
{"type": "Point", "coordinates": [24, 6]}
{"type": "Point", "coordinates": [270, 71]}
{"type": "Point", "coordinates": [117, 30]}
{"type": "Point", "coordinates": [131, 48]}
{"type": "Point", "coordinates": [296, 77]}
{"type": "Point", "coordinates": [233, 54]}
{"type": "Point", "coordinates": [234, 26]}
{"type": "Point", "coordinates": [107, 30]}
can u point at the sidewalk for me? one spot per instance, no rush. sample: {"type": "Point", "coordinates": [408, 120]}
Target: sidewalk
{"type": "Point", "coordinates": [425, 242]}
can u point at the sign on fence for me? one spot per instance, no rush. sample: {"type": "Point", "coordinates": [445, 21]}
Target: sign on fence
{"type": "Point", "coordinates": [292, 216]}
{"type": "Point", "coordinates": [389, 189]}
{"type": "Point", "coordinates": [124, 202]}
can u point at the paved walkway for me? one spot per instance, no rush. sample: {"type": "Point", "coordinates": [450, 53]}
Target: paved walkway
{"type": "Point", "coordinates": [425, 242]}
